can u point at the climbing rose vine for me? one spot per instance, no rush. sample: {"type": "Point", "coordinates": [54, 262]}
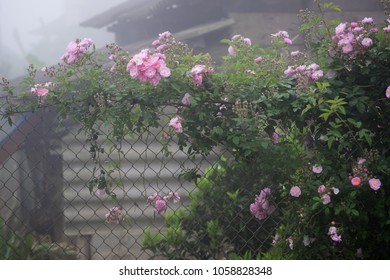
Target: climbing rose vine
{"type": "Point", "coordinates": [305, 135]}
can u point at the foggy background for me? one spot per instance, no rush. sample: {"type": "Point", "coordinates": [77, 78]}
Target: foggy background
{"type": "Point", "coordinates": [38, 31]}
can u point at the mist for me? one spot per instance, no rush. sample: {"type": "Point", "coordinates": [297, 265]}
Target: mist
{"type": "Point", "coordinates": [38, 31]}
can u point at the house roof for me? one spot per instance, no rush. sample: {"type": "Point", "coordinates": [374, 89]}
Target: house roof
{"type": "Point", "coordinates": [132, 9]}
{"type": "Point", "coordinates": [186, 34]}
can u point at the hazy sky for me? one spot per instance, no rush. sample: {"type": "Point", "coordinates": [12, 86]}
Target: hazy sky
{"type": "Point", "coordinates": [39, 30]}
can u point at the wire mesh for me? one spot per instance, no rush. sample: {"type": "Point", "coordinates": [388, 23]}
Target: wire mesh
{"type": "Point", "coordinates": [47, 210]}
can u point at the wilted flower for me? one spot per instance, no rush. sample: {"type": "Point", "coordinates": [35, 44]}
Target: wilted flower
{"type": "Point", "coordinates": [262, 207]}
{"type": "Point", "coordinates": [276, 239]}
{"type": "Point", "coordinates": [295, 53]}
{"type": "Point", "coordinates": [290, 242]}
{"type": "Point", "coordinates": [336, 238]}
{"type": "Point", "coordinates": [172, 196]}
{"type": "Point", "coordinates": [388, 92]}
{"type": "Point", "coordinates": [114, 215]}
{"type": "Point", "coordinates": [101, 193]}
{"type": "Point", "coordinates": [361, 161]}
{"type": "Point", "coordinates": [250, 72]}
{"type": "Point", "coordinates": [275, 138]}
{"type": "Point", "coordinates": [306, 241]}
{"type": "Point", "coordinates": [332, 232]}
{"type": "Point", "coordinates": [186, 100]}
{"type": "Point", "coordinates": [258, 59]}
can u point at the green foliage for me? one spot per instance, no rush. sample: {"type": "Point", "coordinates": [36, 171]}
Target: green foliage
{"type": "Point", "coordinates": [217, 222]}
{"type": "Point", "coordinates": [276, 116]}
{"type": "Point", "coordinates": [14, 246]}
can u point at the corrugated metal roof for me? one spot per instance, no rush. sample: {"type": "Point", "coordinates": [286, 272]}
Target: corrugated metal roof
{"type": "Point", "coordinates": [131, 8]}
{"type": "Point", "coordinates": [142, 9]}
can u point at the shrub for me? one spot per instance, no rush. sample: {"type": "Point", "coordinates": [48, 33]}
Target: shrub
{"type": "Point", "coordinates": [307, 135]}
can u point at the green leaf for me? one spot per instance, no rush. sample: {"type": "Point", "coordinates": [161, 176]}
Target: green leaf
{"type": "Point", "coordinates": [218, 130]}
{"type": "Point", "coordinates": [354, 122]}
{"type": "Point", "coordinates": [330, 6]}
{"type": "Point", "coordinates": [233, 196]}
{"type": "Point", "coordinates": [176, 87]}
{"type": "Point", "coordinates": [264, 144]}
{"type": "Point", "coordinates": [325, 116]}
{"type": "Point", "coordinates": [342, 110]}
{"type": "Point", "coordinates": [361, 107]}
{"type": "Point", "coordinates": [365, 134]}
{"type": "Point", "coordinates": [315, 205]}
{"type": "Point", "coordinates": [335, 133]}
{"type": "Point", "coordinates": [354, 212]}
{"type": "Point", "coordinates": [236, 140]}
{"type": "Point", "coordinates": [308, 107]}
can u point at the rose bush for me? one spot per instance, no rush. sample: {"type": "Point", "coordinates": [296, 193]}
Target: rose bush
{"type": "Point", "coordinates": [307, 134]}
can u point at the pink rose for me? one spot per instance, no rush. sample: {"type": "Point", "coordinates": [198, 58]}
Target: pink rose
{"type": "Point", "coordinates": [388, 92]}
{"type": "Point", "coordinates": [317, 169]}
{"type": "Point", "coordinates": [325, 199]}
{"type": "Point", "coordinates": [258, 59]}
{"type": "Point", "coordinates": [356, 181]}
{"type": "Point", "coordinates": [175, 123]}
{"type": "Point", "coordinates": [186, 100]}
{"type": "Point", "coordinates": [295, 191]}
{"type": "Point", "coordinates": [231, 51]}
{"type": "Point", "coordinates": [160, 206]}
{"type": "Point", "coordinates": [367, 42]}
{"type": "Point", "coordinates": [321, 189]}
{"type": "Point", "coordinates": [375, 184]}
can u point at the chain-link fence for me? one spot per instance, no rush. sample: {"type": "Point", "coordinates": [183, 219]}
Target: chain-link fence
{"type": "Point", "coordinates": [48, 211]}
